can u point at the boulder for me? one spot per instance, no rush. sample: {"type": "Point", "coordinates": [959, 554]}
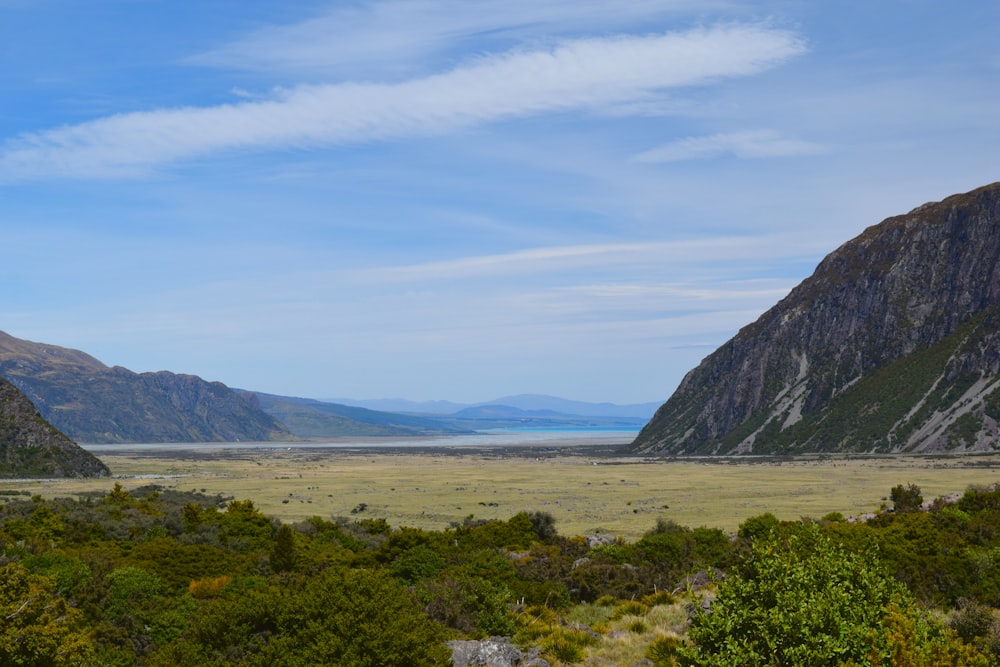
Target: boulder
{"type": "Point", "coordinates": [493, 652]}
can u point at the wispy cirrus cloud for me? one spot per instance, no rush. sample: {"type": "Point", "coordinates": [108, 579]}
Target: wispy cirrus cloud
{"type": "Point", "coordinates": [576, 75]}
{"type": "Point", "coordinates": [580, 258]}
{"type": "Point", "coordinates": [395, 36]}
{"type": "Point", "coordinates": [753, 144]}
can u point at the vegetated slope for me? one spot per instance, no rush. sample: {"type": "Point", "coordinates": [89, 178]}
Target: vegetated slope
{"type": "Point", "coordinates": [91, 402]}
{"type": "Point", "coordinates": [308, 418]}
{"type": "Point", "coordinates": [31, 447]}
{"type": "Point", "coordinates": [892, 345]}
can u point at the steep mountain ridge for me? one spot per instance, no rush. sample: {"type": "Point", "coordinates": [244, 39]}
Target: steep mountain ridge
{"type": "Point", "coordinates": [31, 447]}
{"type": "Point", "coordinates": [92, 402]}
{"type": "Point", "coordinates": [891, 345]}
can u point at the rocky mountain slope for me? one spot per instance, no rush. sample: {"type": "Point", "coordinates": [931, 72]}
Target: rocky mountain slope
{"type": "Point", "coordinates": [31, 447]}
{"type": "Point", "coordinates": [892, 345]}
{"type": "Point", "coordinates": [92, 402]}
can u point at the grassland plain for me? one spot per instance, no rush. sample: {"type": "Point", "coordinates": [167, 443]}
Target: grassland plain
{"type": "Point", "coordinates": [586, 494]}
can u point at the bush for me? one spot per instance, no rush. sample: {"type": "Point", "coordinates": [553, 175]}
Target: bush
{"type": "Point", "coordinates": [39, 627]}
{"type": "Point", "coordinates": [906, 498]}
{"type": "Point", "coordinates": [802, 601]}
{"type": "Point", "coordinates": [347, 617]}
{"type": "Point", "coordinates": [208, 588]}
{"type": "Point", "coordinates": [971, 621]}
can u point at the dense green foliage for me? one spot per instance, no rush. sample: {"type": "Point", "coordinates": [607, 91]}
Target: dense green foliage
{"type": "Point", "coordinates": [800, 600]}
{"type": "Point", "coordinates": [158, 577]}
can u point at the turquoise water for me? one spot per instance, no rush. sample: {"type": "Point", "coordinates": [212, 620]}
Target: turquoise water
{"type": "Point", "coordinates": [513, 437]}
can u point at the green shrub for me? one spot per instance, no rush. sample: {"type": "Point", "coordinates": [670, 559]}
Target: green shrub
{"type": "Point", "coordinates": [972, 620]}
{"type": "Point", "coordinates": [417, 563]}
{"type": "Point", "coordinates": [906, 498]}
{"type": "Point", "coordinates": [342, 617]}
{"type": "Point", "coordinates": [800, 601]}
{"type": "Point", "coordinates": [130, 588]}
{"type": "Point", "coordinates": [39, 626]}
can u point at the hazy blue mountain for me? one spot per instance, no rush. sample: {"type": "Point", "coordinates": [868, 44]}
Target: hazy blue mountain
{"type": "Point", "coordinates": [496, 416]}
{"type": "Point", "coordinates": [309, 418]}
{"type": "Point", "coordinates": [523, 401]}
{"type": "Point", "coordinates": [401, 405]}
{"type": "Point", "coordinates": [569, 407]}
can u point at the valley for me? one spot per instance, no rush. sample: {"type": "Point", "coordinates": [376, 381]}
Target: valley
{"type": "Point", "coordinates": [588, 490]}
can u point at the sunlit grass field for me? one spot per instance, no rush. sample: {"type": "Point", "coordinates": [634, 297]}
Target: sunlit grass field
{"type": "Point", "coordinates": [615, 496]}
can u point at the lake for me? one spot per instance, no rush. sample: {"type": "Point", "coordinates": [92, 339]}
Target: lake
{"type": "Point", "coordinates": [519, 437]}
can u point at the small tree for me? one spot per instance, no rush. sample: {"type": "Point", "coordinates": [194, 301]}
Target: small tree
{"type": "Point", "coordinates": [544, 525]}
{"type": "Point", "coordinates": [284, 555]}
{"type": "Point", "coordinates": [906, 498]}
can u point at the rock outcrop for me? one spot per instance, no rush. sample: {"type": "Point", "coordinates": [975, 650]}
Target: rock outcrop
{"type": "Point", "coordinates": [31, 447]}
{"type": "Point", "coordinates": [892, 345]}
{"type": "Point", "coordinates": [493, 652]}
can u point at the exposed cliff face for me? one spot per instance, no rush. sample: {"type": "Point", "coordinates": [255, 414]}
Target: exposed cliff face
{"type": "Point", "coordinates": [31, 447]}
{"type": "Point", "coordinates": [94, 403]}
{"type": "Point", "coordinates": [891, 345]}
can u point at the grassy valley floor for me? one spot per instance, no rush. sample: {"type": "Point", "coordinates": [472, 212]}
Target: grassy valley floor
{"type": "Point", "coordinates": [588, 490]}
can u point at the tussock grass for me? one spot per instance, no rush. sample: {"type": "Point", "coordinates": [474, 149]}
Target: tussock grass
{"type": "Point", "coordinates": [602, 635]}
{"type": "Point", "coordinates": [627, 640]}
{"type": "Point", "coordinates": [620, 497]}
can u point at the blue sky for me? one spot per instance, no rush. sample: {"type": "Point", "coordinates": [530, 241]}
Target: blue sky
{"type": "Point", "coordinates": [437, 199]}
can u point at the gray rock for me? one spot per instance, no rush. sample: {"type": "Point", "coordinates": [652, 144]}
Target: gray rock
{"type": "Point", "coordinates": [598, 540]}
{"type": "Point", "coordinates": [493, 652]}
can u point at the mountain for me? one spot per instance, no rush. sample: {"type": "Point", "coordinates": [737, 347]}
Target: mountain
{"type": "Point", "coordinates": [401, 405]}
{"type": "Point", "coordinates": [496, 416]}
{"type": "Point", "coordinates": [581, 408]}
{"type": "Point", "coordinates": [31, 447]}
{"type": "Point", "coordinates": [528, 402]}
{"type": "Point", "coordinates": [307, 418]}
{"type": "Point", "coordinates": [91, 402]}
{"type": "Point", "coordinates": [892, 345]}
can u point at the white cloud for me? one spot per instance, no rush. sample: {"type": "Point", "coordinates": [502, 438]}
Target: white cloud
{"type": "Point", "coordinates": [755, 144]}
{"type": "Point", "coordinates": [576, 75]}
{"type": "Point", "coordinates": [707, 251]}
{"type": "Point", "coordinates": [393, 36]}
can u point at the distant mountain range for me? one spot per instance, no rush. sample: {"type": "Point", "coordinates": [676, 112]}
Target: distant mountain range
{"type": "Point", "coordinates": [91, 402]}
{"type": "Point", "coordinates": [526, 402]}
{"type": "Point", "coordinates": [892, 345]}
{"type": "Point", "coordinates": [308, 418]}
{"type": "Point", "coordinates": [94, 403]}
{"type": "Point", "coordinates": [316, 419]}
